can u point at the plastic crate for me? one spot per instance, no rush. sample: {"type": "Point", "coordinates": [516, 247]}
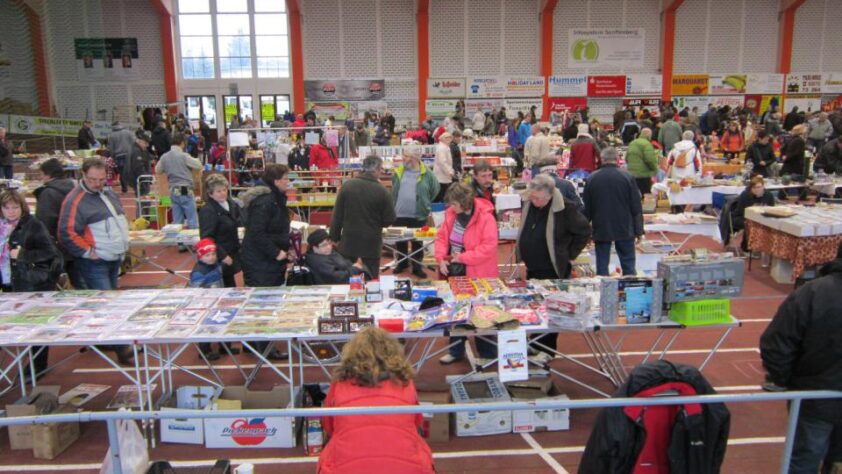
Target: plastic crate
{"type": "Point", "coordinates": [701, 312]}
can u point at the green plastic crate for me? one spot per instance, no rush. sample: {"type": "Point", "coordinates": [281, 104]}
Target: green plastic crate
{"type": "Point", "coordinates": [701, 312]}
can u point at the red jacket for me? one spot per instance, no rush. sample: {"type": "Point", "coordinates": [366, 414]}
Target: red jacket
{"type": "Point", "coordinates": [584, 155]}
{"type": "Point", "coordinates": [374, 444]}
{"type": "Point", "coordinates": [480, 254]}
{"type": "Point", "coordinates": [322, 157]}
{"type": "Point", "coordinates": [732, 142]}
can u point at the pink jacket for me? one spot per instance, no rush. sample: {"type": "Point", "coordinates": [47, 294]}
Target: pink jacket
{"type": "Point", "coordinates": [480, 255]}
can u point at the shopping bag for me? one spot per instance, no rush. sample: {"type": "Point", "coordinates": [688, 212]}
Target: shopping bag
{"type": "Point", "coordinates": [134, 455]}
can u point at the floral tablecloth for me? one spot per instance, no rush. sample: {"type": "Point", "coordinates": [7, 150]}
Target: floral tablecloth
{"type": "Point", "coordinates": [801, 251]}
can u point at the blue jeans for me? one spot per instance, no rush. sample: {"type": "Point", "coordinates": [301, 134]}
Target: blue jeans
{"type": "Point", "coordinates": [8, 172]}
{"type": "Point", "coordinates": [486, 349]}
{"type": "Point", "coordinates": [184, 209]}
{"type": "Point", "coordinates": [625, 252]}
{"type": "Point", "coordinates": [816, 441]}
{"type": "Point", "coordinates": [99, 274]}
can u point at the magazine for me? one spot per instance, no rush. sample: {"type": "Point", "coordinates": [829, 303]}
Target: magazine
{"type": "Point", "coordinates": [127, 397]}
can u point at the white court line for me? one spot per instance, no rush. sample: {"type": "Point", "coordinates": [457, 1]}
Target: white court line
{"type": "Point", "coordinates": [739, 388]}
{"type": "Point", "coordinates": [755, 320]}
{"type": "Point", "coordinates": [540, 451]}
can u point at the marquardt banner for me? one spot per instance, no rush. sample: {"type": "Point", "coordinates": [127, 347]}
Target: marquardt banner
{"type": "Point", "coordinates": [614, 47]}
{"type": "Point", "coordinates": [345, 89]}
{"type": "Point", "coordinates": [690, 84]}
{"type": "Point", "coordinates": [531, 86]}
{"type": "Point", "coordinates": [568, 86]}
{"type": "Point", "coordinates": [644, 84]}
{"type": "Point", "coordinates": [446, 88]}
{"type": "Point", "coordinates": [770, 83]}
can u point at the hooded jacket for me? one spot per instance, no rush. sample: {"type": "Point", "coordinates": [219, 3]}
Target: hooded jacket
{"type": "Point", "coordinates": [333, 269]}
{"type": "Point", "coordinates": [584, 154]}
{"type": "Point", "coordinates": [267, 233]}
{"type": "Point", "coordinates": [480, 239]}
{"type": "Point", "coordinates": [641, 160]}
{"type": "Point", "coordinates": [221, 226]}
{"type": "Point", "coordinates": [36, 247]}
{"type": "Point", "coordinates": [120, 142]}
{"type": "Point", "coordinates": [443, 164]}
{"type": "Point", "coordinates": [426, 189]}
{"type": "Point", "coordinates": [48, 202]}
{"type": "Point", "coordinates": [693, 159]}
{"type": "Point", "coordinates": [161, 140]}
{"type": "Point", "coordinates": [322, 157]}
{"type": "Point", "coordinates": [93, 221]}
{"type": "Point", "coordinates": [669, 134]}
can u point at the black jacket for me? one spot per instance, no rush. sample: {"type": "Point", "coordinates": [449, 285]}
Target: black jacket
{"type": "Point", "coordinates": [221, 226]}
{"type": "Point", "coordinates": [793, 157]}
{"type": "Point", "coordinates": [37, 248]}
{"type": "Point", "coordinates": [85, 139]}
{"type": "Point", "coordinates": [299, 158]}
{"type": "Point", "coordinates": [746, 200]}
{"type": "Point", "coordinates": [698, 441]}
{"type": "Point", "coordinates": [333, 269]}
{"type": "Point", "coordinates": [612, 204]}
{"type": "Point", "coordinates": [363, 208]}
{"type": "Point", "coordinates": [758, 152]}
{"type": "Point", "coordinates": [267, 233]}
{"type": "Point", "coordinates": [7, 158]}
{"type": "Point", "coordinates": [138, 164]}
{"type": "Point", "coordinates": [456, 154]}
{"type": "Point", "coordinates": [161, 140]}
{"type": "Point", "coordinates": [802, 346]}
{"type": "Point", "coordinates": [49, 198]}
{"type": "Point", "coordinates": [830, 157]}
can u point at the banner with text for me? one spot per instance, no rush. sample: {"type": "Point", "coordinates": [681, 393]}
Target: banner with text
{"type": "Point", "coordinates": [806, 103]}
{"type": "Point", "coordinates": [612, 47]}
{"type": "Point", "coordinates": [759, 103]}
{"type": "Point", "coordinates": [345, 89]}
{"type": "Point", "coordinates": [106, 58]}
{"type": "Point", "coordinates": [644, 84]}
{"type": "Point", "coordinates": [531, 86]}
{"type": "Point", "coordinates": [568, 86]}
{"type": "Point", "coordinates": [764, 83]}
{"type": "Point", "coordinates": [486, 88]}
{"type": "Point", "coordinates": [832, 83]}
{"type": "Point", "coordinates": [567, 104]}
{"type": "Point", "coordinates": [689, 84]}
{"type": "Point", "coordinates": [726, 84]}
{"type": "Point", "coordinates": [439, 108]}
{"type": "Point", "coordinates": [513, 106]}
{"type": "Point", "coordinates": [358, 109]}
{"type": "Point", "coordinates": [485, 105]}
{"type": "Point", "coordinates": [445, 88]}
{"type": "Point", "coordinates": [29, 125]}
{"type": "Point", "coordinates": [803, 84]}
{"type": "Point", "coordinates": [339, 110]}
{"type": "Point", "coordinates": [606, 86]}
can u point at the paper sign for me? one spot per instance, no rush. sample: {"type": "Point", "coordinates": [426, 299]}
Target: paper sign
{"type": "Point", "coordinates": [311, 138]}
{"type": "Point", "coordinates": [512, 363]}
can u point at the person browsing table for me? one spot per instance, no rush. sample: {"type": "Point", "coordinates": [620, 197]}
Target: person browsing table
{"type": "Point", "coordinates": [413, 189]}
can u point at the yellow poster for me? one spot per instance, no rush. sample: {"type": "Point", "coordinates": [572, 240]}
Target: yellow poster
{"type": "Point", "coordinates": [690, 84]}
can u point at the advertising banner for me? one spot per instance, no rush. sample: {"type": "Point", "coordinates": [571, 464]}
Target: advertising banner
{"type": "Point", "coordinates": [439, 108]}
{"type": "Point", "coordinates": [358, 109]}
{"type": "Point", "coordinates": [803, 84]}
{"type": "Point", "coordinates": [806, 103]}
{"type": "Point", "coordinates": [29, 125]}
{"type": "Point", "coordinates": [567, 104]}
{"type": "Point", "coordinates": [606, 86]}
{"type": "Point", "coordinates": [764, 83]}
{"type": "Point", "coordinates": [339, 110]}
{"type": "Point", "coordinates": [689, 84]}
{"type": "Point", "coordinates": [831, 102]}
{"type": "Point", "coordinates": [106, 58]}
{"type": "Point", "coordinates": [512, 363]}
{"type": "Point", "coordinates": [644, 84]}
{"type": "Point", "coordinates": [525, 86]}
{"type": "Point", "coordinates": [345, 89]}
{"type": "Point", "coordinates": [568, 86]}
{"type": "Point", "coordinates": [485, 105]}
{"type": "Point", "coordinates": [486, 88]}
{"type": "Point", "coordinates": [832, 83]}
{"type": "Point", "coordinates": [643, 102]}
{"type": "Point", "coordinates": [446, 88]}
{"type": "Point", "coordinates": [725, 84]}
{"type": "Point", "coordinates": [513, 106]}
{"type": "Point", "coordinates": [759, 103]}
{"type": "Point", "coordinates": [599, 47]}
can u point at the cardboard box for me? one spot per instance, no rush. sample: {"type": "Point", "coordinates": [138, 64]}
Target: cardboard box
{"type": "Point", "coordinates": [50, 440]}
{"type": "Point", "coordinates": [539, 387]}
{"type": "Point", "coordinates": [436, 425]}
{"type": "Point", "coordinates": [239, 432]}
{"type": "Point", "coordinates": [42, 400]}
{"type": "Point", "coordinates": [781, 271]}
{"type": "Point", "coordinates": [187, 430]}
{"type": "Point", "coordinates": [480, 388]}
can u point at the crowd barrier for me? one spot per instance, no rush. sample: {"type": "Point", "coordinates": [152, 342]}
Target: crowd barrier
{"type": "Point", "coordinates": [110, 418]}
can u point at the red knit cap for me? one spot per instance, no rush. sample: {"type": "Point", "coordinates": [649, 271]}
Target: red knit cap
{"type": "Point", "coordinates": [204, 247]}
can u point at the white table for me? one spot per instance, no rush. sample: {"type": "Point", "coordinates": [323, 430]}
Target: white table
{"type": "Point", "coordinates": [672, 223]}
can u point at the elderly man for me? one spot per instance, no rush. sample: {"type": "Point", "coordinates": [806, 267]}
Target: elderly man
{"type": "Point", "coordinates": [820, 130]}
{"type": "Point", "coordinates": [552, 234]}
{"type": "Point", "coordinates": [642, 161]}
{"type": "Point", "coordinates": [363, 208]}
{"type": "Point", "coordinates": [414, 186]}
{"type": "Point", "coordinates": [536, 148]}
{"type": "Point", "coordinates": [612, 205]}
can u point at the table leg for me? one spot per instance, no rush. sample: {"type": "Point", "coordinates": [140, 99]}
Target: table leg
{"type": "Point", "coordinates": [715, 348]}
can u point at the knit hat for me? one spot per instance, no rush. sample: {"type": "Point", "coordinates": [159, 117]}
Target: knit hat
{"type": "Point", "coordinates": [204, 247]}
{"type": "Point", "coordinates": [583, 129]}
{"type": "Point", "coordinates": [317, 237]}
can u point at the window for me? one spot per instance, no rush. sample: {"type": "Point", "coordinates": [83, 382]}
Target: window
{"type": "Point", "coordinates": [202, 107]}
{"type": "Point", "coordinates": [196, 38]}
{"type": "Point", "coordinates": [272, 106]}
{"type": "Point", "coordinates": [239, 106]}
{"type": "Point", "coordinates": [272, 43]}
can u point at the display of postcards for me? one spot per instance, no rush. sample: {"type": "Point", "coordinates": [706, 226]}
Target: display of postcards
{"type": "Point", "coordinates": [266, 298]}
{"type": "Point", "coordinates": [319, 306]}
{"type": "Point", "coordinates": [305, 298]}
{"type": "Point", "coordinates": [127, 396]}
{"type": "Point", "coordinates": [256, 314]}
{"type": "Point", "coordinates": [151, 314]}
{"type": "Point", "coordinates": [111, 316]}
{"type": "Point", "coordinates": [331, 326]}
{"type": "Point", "coordinates": [88, 332]}
{"type": "Point", "coordinates": [230, 302]}
{"type": "Point", "coordinates": [220, 316]}
{"type": "Point", "coordinates": [206, 332]}
{"type": "Point", "coordinates": [36, 315]}
{"type": "Point", "coordinates": [202, 302]}
{"type": "Point", "coordinates": [46, 334]}
{"type": "Point", "coordinates": [135, 330]}
{"type": "Point", "coordinates": [175, 331]}
{"type": "Point", "coordinates": [41, 295]}
{"type": "Point", "coordinates": [262, 305]}
{"type": "Point", "coordinates": [269, 291]}
{"type": "Point", "coordinates": [344, 309]}
{"type": "Point", "coordinates": [254, 327]}
{"type": "Point", "coordinates": [301, 325]}
{"type": "Point", "coordinates": [184, 317]}
{"type": "Point", "coordinates": [71, 318]}
{"type": "Point", "coordinates": [93, 303]}
{"type": "Point", "coordinates": [13, 332]}
{"type": "Point", "coordinates": [317, 290]}
{"type": "Point", "coordinates": [133, 295]}
{"type": "Point", "coordinates": [237, 293]}
{"type": "Point", "coordinates": [358, 324]}
{"type": "Point", "coordinates": [76, 294]}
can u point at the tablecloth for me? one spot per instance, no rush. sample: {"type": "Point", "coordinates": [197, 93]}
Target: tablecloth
{"type": "Point", "coordinates": [801, 251]}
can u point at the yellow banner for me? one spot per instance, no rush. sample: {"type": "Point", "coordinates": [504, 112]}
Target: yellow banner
{"type": "Point", "coordinates": [690, 84]}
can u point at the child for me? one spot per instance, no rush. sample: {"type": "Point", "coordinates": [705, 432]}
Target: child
{"type": "Point", "coordinates": [207, 273]}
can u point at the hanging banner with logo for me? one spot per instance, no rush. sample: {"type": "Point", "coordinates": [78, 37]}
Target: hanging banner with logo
{"type": "Point", "coordinates": [568, 86]}
{"type": "Point", "coordinates": [613, 47]}
{"type": "Point", "coordinates": [803, 84]}
{"type": "Point", "coordinates": [345, 89]}
{"type": "Point", "coordinates": [644, 84]}
{"type": "Point", "coordinates": [446, 88]}
{"type": "Point", "coordinates": [358, 109]}
{"type": "Point", "coordinates": [725, 84]}
{"type": "Point", "coordinates": [484, 105]}
{"type": "Point", "coordinates": [323, 110]}
{"type": "Point", "coordinates": [764, 83]}
{"type": "Point", "coordinates": [759, 103]}
{"type": "Point", "coordinates": [642, 102]}
{"type": "Point", "coordinates": [692, 101]}
{"type": "Point", "coordinates": [831, 102]}
{"type": "Point", "coordinates": [606, 86]}
{"type": "Point", "coordinates": [29, 125]}
{"type": "Point", "coordinates": [689, 84]}
{"type": "Point", "coordinates": [106, 58]}
{"type": "Point", "coordinates": [805, 103]}
{"type": "Point", "coordinates": [439, 108]}
{"type": "Point", "coordinates": [513, 106]}
{"type": "Point", "coordinates": [512, 363]}
{"type": "Point", "coordinates": [486, 88]}
{"type": "Point", "coordinates": [567, 104]}
{"type": "Point", "coordinates": [832, 83]}
{"type": "Point", "coordinates": [531, 86]}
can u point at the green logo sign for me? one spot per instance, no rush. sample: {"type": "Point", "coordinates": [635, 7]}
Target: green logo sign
{"type": "Point", "coordinates": [585, 50]}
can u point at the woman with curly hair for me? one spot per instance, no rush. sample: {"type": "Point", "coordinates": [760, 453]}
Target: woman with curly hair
{"type": "Point", "coordinates": [374, 372]}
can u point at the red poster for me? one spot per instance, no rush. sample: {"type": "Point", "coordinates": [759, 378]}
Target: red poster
{"type": "Point", "coordinates": [606, 86]}
{"type": "Point", "coordinates": [567, 104]}
{"type": "Point", "coordinates": [753, 103]}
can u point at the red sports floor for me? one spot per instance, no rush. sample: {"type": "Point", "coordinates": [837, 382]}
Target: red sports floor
{"type": "Point", "coordinates": [755, 444]}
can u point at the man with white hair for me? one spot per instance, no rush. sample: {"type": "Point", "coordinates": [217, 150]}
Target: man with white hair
{"type": "Point", "coordinates": [6, 157]}
{"type": "Point", "coordinates": [584, 154]}
{"type": "Point", "coordinates": [684, 161]}
{"type": "Point", "coordinates": [820, 130]}
{"type": "Point", "coordinates": [414, 186]}
{"type": "Point", "coordinates": [536, 148]}
{"type": "Point", "coordinates": [612, 205]}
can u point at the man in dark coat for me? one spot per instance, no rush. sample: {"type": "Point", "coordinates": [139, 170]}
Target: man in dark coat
{"type": "Point", "coordinates": [7, 159]}
{"type": "Point", "coordinates": [456, 152]}
{"type": "Point", "coordinates": [612, 205]}
{"type": "Point", "coordinates": [363, 208]}
{"type": "Point", "coordinates": [801, 351]}
{"type": "Point", "coordinates": [161, 139]}
{"type": "Point", "coordinates": [830, 157]}
{"type": "Point", "coordinates": [85, 139]}
{"type": "Point", "coordinates": [49, 198]}
{"type": "Point", "coordinates": [139, 163]}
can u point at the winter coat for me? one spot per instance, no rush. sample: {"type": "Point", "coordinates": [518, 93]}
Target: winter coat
{"type": "Point", "coordinates": [630, 131]}
{"type": "Point", "coordinates": [363, 208]}
{"type": "Point", "coordinates": [612, 204]}
{"type": "Point", "coordinates": [7, 158]}
{"type": "Point", "coordinates": [86, 223]}
{"type": "Point", "coordinates": [333, 269]}
{"type": "Point", "coordinates": [478, 121]}
{"type": "Point", "coordinates": [206, 276]}
{"type": "Point", "coordinates": [793, 157]}
{"type": "Point", "coordinates": [480, 239]}
{"type": "Point", "coordinates": [568, 232]}
{"type": "Point", "coordinates": [161, 140]}
{"type": "Point", "coordinates": [220, 225]}
{"type": "Point", "coordinates": [456, 154]}
{"type": "Point", "coordinates": [758, 152]}
{"type": "Point", "coordinates": [322, 157]}
{"type": "Point", "coordinates": [299, 158]}
{"type": "Point", "coordinates": [426, 189]}
{"type": "Point", "coordinates": [37, 247]}
{"type": "Point", "coordinates": [669, 135]}
{"type": "Point", "coordinates": [830, 157]}
{"type": "Point", "coordinates": [641, 159]}
{"type": "Point", "coordinates": [138, 164]}
{"type": "Point", "coordinates": [537, 149]}
{"type": "Point", "coordinates": [697, 440]}
{"type": "Point", "coordinates": [732, 142]}
{"type": "Point", "coordinates": [267, 233]}
{"type": "Point", "coordinates": [120, 142]}
{"type": "Point", "coordinates": [374, 444]}
{"type": "Point", "coordinates": [524, 131]}
{"type": "Point", "coordinates": [746, 200]}
{"type": "Point", "coordinates": [693, 159]}
{"type": "Point", "coordinates": [85, 138]}
{"type": "Point", "coordinates": [801, 346]}
{"type": "Point", "coordinates": [443, 164]}
{"type": "Point", "coordinates": [49, 198]}
{"type": "Point", "coordinates": [584, 154]}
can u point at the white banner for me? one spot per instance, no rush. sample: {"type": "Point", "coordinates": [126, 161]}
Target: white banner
{"type": "Point", "coordinates": [446, 88]}
{"type": "Point", "coordinates": [725, 84]}
{"type": "Point", "coordinates": [832, 83]}
{"type": "Point", "coordinates": [568, 86]}
{"type": "Point", "coordinates": [441, 107]}
{"type": "Point", "coordinates": [485, 105]}
{"type": "Point", "coordinates": [644, 84]}
{"type": "Point", "coordinates": [513, 106]}
{"type": "Point", "coordinates": [358, 109]}
{"type": "Point", "coordinates": [29, 125]}
{"type": "Point", "coordinates": [512, 363]}
{"type": "Point", "coordinates": [803, 84]}
{"type": "Point", "coordinates": [764, 83]}
{"type": "Point", "coordinates": [806, 104]}
{"type": "Point", "coordinates": [614, 47]}
{"type": "Point", "coordinates": [486, 88]}
{"type": "Point", "coordinates": [525, 86]}
{"type": "Point", "coordinates": [702, 101]}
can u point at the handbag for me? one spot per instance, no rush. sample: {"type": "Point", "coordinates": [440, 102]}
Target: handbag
{"type": "Point", "coordinates": [456, 269]}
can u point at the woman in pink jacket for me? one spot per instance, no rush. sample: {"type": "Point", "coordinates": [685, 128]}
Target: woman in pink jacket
{"type": "Point", "coordinates": [467, 246]}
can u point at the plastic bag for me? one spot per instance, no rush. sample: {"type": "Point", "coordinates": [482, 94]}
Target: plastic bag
{"type": "Point", "coordinates": [134, 455]}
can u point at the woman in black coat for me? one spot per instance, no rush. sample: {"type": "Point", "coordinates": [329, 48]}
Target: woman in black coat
{"type": "Point", "coordinates": [793, 154]}
{"type": "Point", "coordinates": [219, 220]}
{"type": "Point", "coordinates": [755, 194]}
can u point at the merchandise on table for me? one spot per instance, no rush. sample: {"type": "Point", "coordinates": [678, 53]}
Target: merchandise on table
{"type": "Point", "coordinates": [480, 388]}
{"type": "Point", "coordinates": [685, 278]}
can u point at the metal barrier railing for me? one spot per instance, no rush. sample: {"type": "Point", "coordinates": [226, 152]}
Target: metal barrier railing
{"type": "Point", "coordinates": [111, 418]}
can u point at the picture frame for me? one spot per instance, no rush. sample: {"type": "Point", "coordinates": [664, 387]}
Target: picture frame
{"type": "Point", "coordinates": [344, 309]}
{"type": "Point", "coordinates": [358, 324]}
{"type": "Point", "coordinates": [331, 326]}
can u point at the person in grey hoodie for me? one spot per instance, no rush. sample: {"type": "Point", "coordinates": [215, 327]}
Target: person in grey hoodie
{"type": "Point", "coordinates": [120, 144]}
